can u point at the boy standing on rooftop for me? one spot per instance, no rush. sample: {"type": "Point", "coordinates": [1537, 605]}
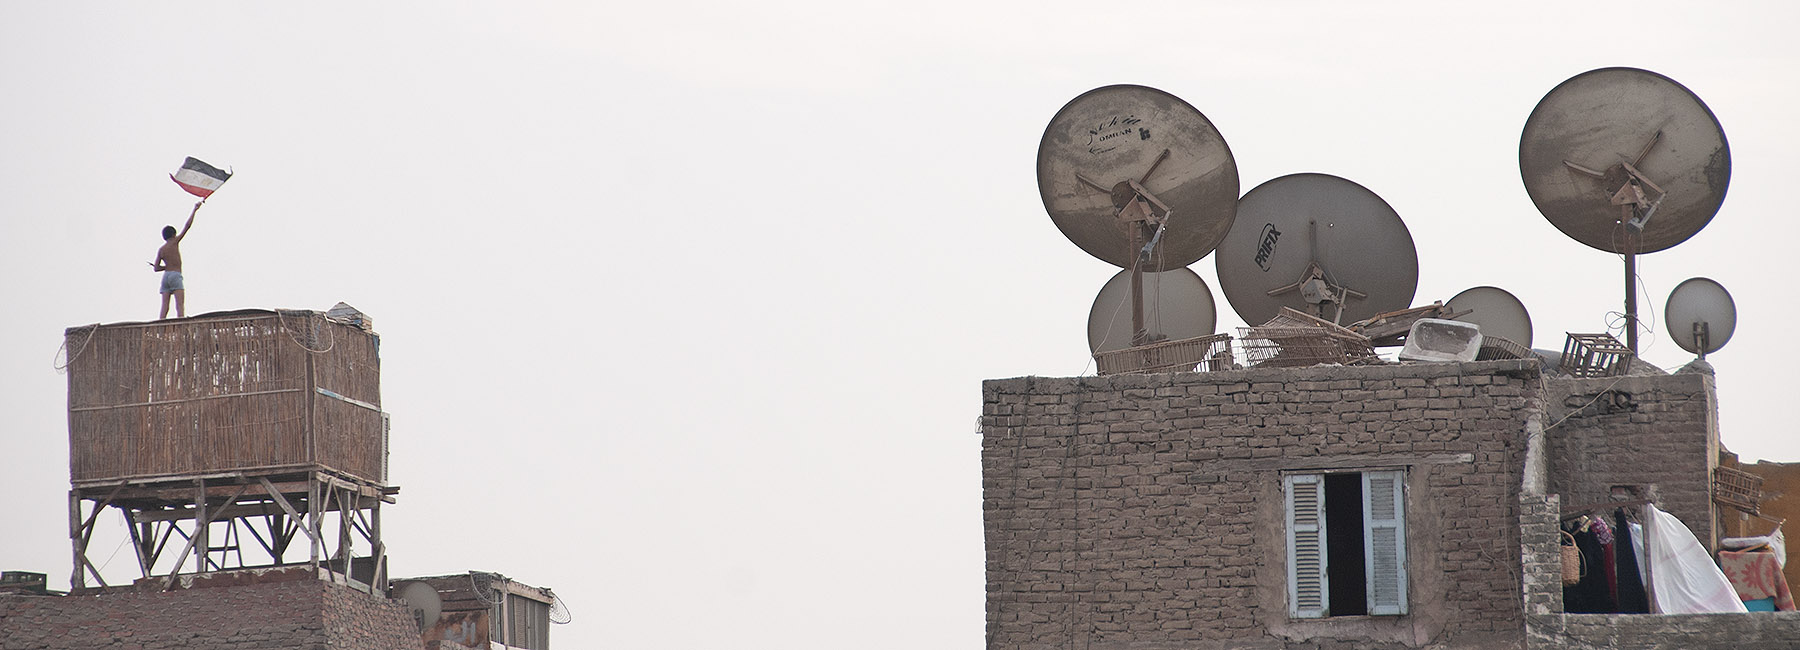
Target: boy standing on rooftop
{"type": "Point", "coordinates": [168, 260]}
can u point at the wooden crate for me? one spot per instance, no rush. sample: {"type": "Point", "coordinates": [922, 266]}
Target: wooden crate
{"type": "Point", "coordinates": [1595, 355]}
{"type": "Point", "coordinates": [1738, 489]}
{"type": "Point", "coordinates": [251, 389]}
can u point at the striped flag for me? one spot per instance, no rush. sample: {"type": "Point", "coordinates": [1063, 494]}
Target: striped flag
{"type": "Point", "coordinates": [198, 178]}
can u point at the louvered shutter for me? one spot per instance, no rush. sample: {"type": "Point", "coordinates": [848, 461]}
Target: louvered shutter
{"type": "Point", "coordinates": [1384, 541]}
{"type": "Point", "coordinates": [1307, 585]}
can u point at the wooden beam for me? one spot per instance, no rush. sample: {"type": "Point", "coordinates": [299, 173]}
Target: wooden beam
{"type": "Point", "coordinates": [286, 507]}
{"type": "Point", "coordinates": [87, 528]}
{"type": "Point", "coordinates": [313, 514]}
{"type": "Point", "coordinates": [266, 546]}
{"type": "Point", "coordinates": [138, 547]}
{"type": "Point", "coordinates": [163, 544]}
{"type": "Point", "coordinates": [198, 538]}
{"type": "Point", "coordinates": [77, 580]}
{"type": "Point", "coordinates": [181, 401]}
{"type": "Point", "coordinates": [201, 522]}
{"type": "Point", "coordinates": [90, 566]}
{"type": "Point", "coordinates": [186, 495]}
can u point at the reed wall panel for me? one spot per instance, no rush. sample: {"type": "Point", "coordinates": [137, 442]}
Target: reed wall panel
{"type": "Point", "coordinates": [223, 392]}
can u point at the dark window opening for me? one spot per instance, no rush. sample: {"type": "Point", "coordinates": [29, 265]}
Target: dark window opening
{"type": "Point", "coordinates": [1345, 570]}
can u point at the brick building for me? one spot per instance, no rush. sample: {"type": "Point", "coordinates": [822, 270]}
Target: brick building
{"type": "Point", "coordinates": [1204, 510]}
{"type": "Point", "coordinates": [277, 608]}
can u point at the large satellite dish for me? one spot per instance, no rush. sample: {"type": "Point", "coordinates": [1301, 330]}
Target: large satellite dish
{"type": "Point", "coordinates": [1137, 177]}
{"type": "Point", "coordinates": [1496, 311]}
{"type": "Point", "coordinates": [1626, 161]}
{"type": "Point", "coordinates": [1176, 305]}
{"type": "Point", "coordinates": [1700, 315]}
{"type": "Point", "coordinates": [1319, 244]}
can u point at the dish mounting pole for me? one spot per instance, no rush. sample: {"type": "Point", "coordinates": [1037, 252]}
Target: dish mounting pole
{"type": "Point", "coordinates": [1146, 216]}
{"type": "Point", "coordinates": [1635, 210]}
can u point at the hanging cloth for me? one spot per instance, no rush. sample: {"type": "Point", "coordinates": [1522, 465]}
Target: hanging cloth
{"type": "Point", "coordinates": [1683, 578]}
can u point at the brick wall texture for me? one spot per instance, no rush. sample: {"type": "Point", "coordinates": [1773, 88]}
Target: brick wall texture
{"type": "Point", "coordinates": [1636, 430]}
{"type": "Point", "coordinates": [1147, 511]}
{"type": "Point", "coordinates": [301, 615]}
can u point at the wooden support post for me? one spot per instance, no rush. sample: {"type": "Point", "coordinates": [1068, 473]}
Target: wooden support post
{"type": "Point", "coordinates": [77, 581]}
{"type": "Point", "coordinates": [379, 581]}
{"type": "Point", "coordinates": [138, 546]}
{"type": "Point", "coordinates": [200, 525]}
{"type": "Point", "coordinates": [346, 514]}
{"type": "Point", "coordinates": [313, 508]}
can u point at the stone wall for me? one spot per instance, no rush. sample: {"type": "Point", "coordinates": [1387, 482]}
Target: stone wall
{"type": "Point", "coordinates": [304, 614]}
{"type": "Point", "coordinates": [1147, 511]}
{"type": "Point", "coordinates": [1657, 430]}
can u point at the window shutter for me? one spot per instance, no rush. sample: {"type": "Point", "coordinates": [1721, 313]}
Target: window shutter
{"type": "Point", "coordinates": [1307, 586]}
{"type": "Point", "coordinates": [1384, 541]}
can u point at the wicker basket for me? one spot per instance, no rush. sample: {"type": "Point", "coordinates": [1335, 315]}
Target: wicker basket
{"type": "Point", "coordinates": [1292, 347]}
{"type": "Point", "coordinates": [1494, 347]}
{"type": "Point", "coordinates": [1571, 561]}
{"type": "Point", "coordinates": [1205, 353]}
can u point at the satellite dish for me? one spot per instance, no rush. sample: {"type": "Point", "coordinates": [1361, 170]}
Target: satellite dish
{"type": "Point", "coordinates": [1496, 311]}
{"type": "Point", "coordinates": [1625, 160]}
{"type": "Point", "coordinates": [1137, 177]}
{"type": "Point", "coordinates": [1700, 315]}
{"type": "Point", "coordinates": [1176, 305]}
{"type": "Point", "coordinates": [1319, 244]}
{"type": "Point", "coordinates": [422, 599]}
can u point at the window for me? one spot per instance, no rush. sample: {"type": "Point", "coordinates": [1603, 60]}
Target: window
{"type": "Point", "coordinates": [1346, 534]}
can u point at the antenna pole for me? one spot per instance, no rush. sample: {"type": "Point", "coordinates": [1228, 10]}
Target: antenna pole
{"type": "Point", "coordinates": [1139, 334]}
{"type": "Point", "coordinates": [1631, 329]}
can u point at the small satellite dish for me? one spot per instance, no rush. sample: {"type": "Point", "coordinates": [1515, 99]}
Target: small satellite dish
{"type": "Point", "coordinates": [1496, 311]}
{"type": "Point", "coordinates": [1137, 177]}
{"type": "Point", "coordinates": [1319, 244]}
{"type": "Point", "coordinates": [1176, 305]}
{"type": "Point", "coordinates": [1625, 160]}
{"type": "Point", "coordinates": [1700, 315]}
{"type": "Point", "coordinates": [422, 599]}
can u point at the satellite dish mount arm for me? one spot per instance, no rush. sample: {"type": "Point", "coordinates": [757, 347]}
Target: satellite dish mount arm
{"type": "Point", "coordinates": [1315, 286]}
{"type": "Point", "coordinates": [1146, 217]}
{"type": "Point", "coordinates": [1635, 209]}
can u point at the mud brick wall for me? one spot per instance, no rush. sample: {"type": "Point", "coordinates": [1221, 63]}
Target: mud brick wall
{"type": "Point", "coordinates": [1757, 631]}
{"type": "Point", "coordinates": [1638, 430]}
{"type": "Point", "coordinates": [298, 614]}
{"type": "Point", "coordinates": [1147, 511]}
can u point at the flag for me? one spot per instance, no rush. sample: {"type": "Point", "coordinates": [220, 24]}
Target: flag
{"type": "Point", "coordinates": [198, 178]}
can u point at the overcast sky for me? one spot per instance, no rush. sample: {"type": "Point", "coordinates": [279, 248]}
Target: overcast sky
{"type": "Point", "coordinates": [685, 306]}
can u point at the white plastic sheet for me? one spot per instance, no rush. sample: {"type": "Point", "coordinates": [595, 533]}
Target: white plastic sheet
{"type": "Point", "coordinates": [1683, 576]}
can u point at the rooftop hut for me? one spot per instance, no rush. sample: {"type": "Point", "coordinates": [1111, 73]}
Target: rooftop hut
{"type": "Point", "coordinates": [266, 419]}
